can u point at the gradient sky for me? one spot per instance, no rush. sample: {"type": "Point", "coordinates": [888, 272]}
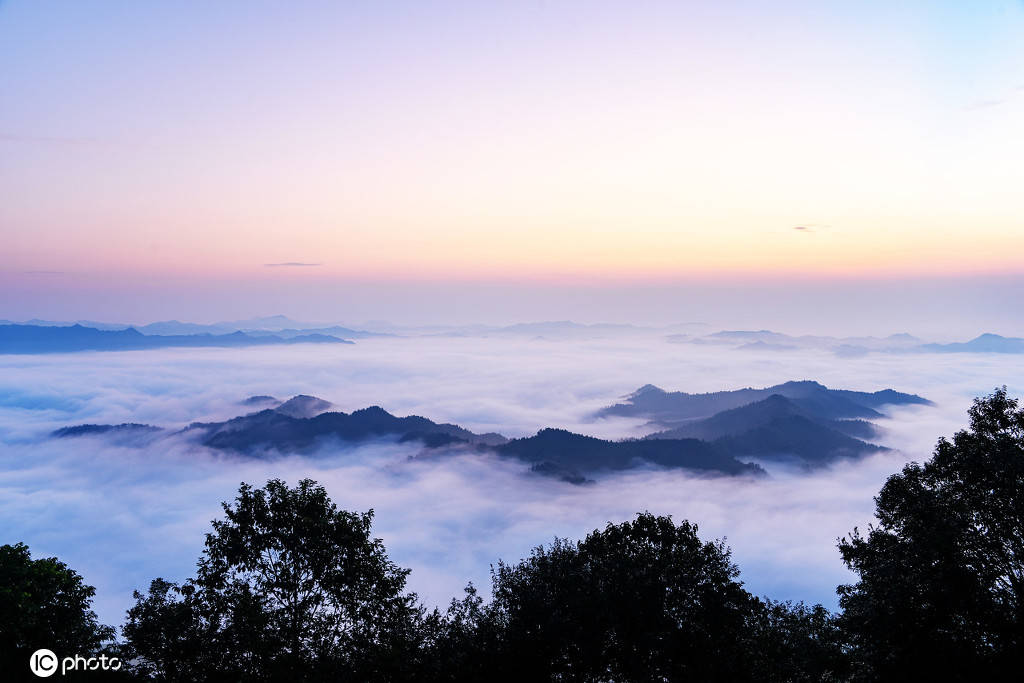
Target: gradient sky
{"type": "Point", "coordinates": [155, 157]}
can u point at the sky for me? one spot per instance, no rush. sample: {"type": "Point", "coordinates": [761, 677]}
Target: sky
{"type": "Point", "coordinates": [491, 162]}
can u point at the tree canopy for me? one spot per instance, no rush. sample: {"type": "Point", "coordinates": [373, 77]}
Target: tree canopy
{"type": "Point", "coordinates": [44, 604]}
{"type": "Point", "coordinates": [941, 589]}
{"type": "Point", "coordinates": [645, 600]}
{"type": "Point", "coordinates": [288, 587]}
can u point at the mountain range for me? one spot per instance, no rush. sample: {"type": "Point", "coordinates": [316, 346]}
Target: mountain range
{"type": "Point", "coordinates": [717, 433]}
{"type": "Point", "coordinates": [672, 407]}
{"type": "Point", "coordinates": [802, 421]}
{"type": "Point", "coordinates": [766, 341]}
{"type": "Point", "coordinates": [26, 339]}
{"type": "Point", "coordinates": [985, 343]}
{"type": "Point", "coordinates": [305, 423]}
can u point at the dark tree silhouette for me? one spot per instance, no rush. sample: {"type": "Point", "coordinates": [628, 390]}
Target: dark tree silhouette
{"type": "Point", "coordinates": [645, 600]}
{"type": "Point", "coordinates": [288, 588]}
{"type": "Point", "coordinates": [797, 644]}
{"type": "Point", "coordinates": [941, 589]}
{"type": "Point", "coordinates": [44, 604]}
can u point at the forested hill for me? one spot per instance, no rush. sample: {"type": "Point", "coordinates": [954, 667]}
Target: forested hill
{"type": "Point", "coordinates": [669, 408]}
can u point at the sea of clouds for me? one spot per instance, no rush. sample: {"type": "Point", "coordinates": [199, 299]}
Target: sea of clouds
{"type": "Point", "coordinates": [122, 514]}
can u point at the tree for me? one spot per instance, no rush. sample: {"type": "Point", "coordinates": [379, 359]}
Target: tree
{"type": "Point", "coordinates": [941, 577]}
{"type": "Point", "coordinates": [44, 604]}
{"type": "Point", "coordinates": [288, 588]}
{"type": "Point", "coordinates": [645, 600]}
{"type": "Point", "coordinates": [796, 644]}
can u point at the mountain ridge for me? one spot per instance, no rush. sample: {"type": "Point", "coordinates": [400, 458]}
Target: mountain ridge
{"type": "Point", "coordinates": [36, 339]}
{"type": "Point", "coordinates": [552, 452]}
{"type": "Point", "coordinates": [666, 408]}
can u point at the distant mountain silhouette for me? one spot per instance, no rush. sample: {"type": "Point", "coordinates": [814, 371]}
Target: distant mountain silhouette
{"type": "Point", "coordinates": [710, 433]}
{"type": "Point", "coordinates": [304, 406]}
{"type": "Point", "coordinates": [757, 414]}
{"type": "Point", "coordinates": [89, 429]}
{"type": "Point", "coordinates": [766, 346]}
{"type": "Point", "coordinates": [573, 455]}
{"type": "Point", "coordinates": [795, 437]}
{"type": "Point", "coordinates": [274, 325]}
{"type": "Point", "coordinates": [769, 341]}
{"type": "Point", "coordinates": [274, 430]}
{"type": "Point", "coordinates": [552, 452]}
{"type": "Point", "coordinates": [802, 420]}
{"type": "Point", "coordinates": [31, 339]}
{"type": "Point", "coordinates": [333, 331]}
{"type": "Point", "coordinates": [58, 323]}
{"type": "Point", "coordinates": [130, 434]}
{"type": "Point", "coordinates": [261, 400]}
{"type": "Point", "coordinates": [670, 409]}
{"type": "Point", "coordinates": [267, 322]}
{"type": "Point", "coordinates": [748, 336]}
{"type": "Point", "coordinates": [778, 427]}
{"type": "Point", "coordinates": [985, 343]}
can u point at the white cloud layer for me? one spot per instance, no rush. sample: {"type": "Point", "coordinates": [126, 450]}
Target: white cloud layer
{"type": "Point", "coordinates": [122, 515]}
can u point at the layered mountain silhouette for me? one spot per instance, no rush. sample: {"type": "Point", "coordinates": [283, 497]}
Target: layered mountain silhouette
{"type": "Point", "coordinates": [279, 327]}
{"type": "Point", "coordinates": [985, 343]}
{"type": "Point", "coordinates": [775, 407]}
{"type": "Point", "coordinates": [571, 456]}
{"type": "Point", "coordinates": [304, 423]}
{"type": "Point", "coordinates": [714, 433]}
{"type": "Point", "coordinates": [805, 420]}
{"type": "Point", "coordinates": [130, 434]}
{"type": "Point", "coordinates": [133, 428]}
{"type": "Point", "coordinates": [670, 408]}
{"type": "Point", "coordinates": [779, 427]}
{"type": "Point", "coordinates": [277, 430]}
{"type": "Point", "coordinates": [767, 340]}
{"type": "Point", "coordinates": [304, 406]}
{"type": "Point", "coordinates": [261, 400]}
{"type": "Point", "coordinates": [27, 339]}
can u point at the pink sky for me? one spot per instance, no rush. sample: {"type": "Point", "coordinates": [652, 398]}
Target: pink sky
{"type": "Point", "coordinates": [150, 150]}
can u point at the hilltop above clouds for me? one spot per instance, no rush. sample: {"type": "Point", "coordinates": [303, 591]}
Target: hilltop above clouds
{"type": "Point", "coordinates": [717, 433]}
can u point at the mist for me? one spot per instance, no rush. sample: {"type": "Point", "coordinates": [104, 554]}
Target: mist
{"type": "Point", "coordinates": [122, 513]}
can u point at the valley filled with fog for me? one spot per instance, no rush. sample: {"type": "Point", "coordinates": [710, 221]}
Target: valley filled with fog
{"type": "Point", "coordinates": [122, 514]}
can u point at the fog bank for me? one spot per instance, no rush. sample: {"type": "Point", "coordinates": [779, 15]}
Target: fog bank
{"type": "Point", "coordinates": [122, 515]}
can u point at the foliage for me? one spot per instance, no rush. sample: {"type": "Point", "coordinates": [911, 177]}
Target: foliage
{"type": "Point", "coordinates": [288, 587]}
{"type": "Point", "coordinates": [941, 589]}
{"type": "Point", "coordinates": [796, 643]}
{"type": "Point", "coordinates": [645, 600]}
{"type": "Point", "coordinates": [44, 604]}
